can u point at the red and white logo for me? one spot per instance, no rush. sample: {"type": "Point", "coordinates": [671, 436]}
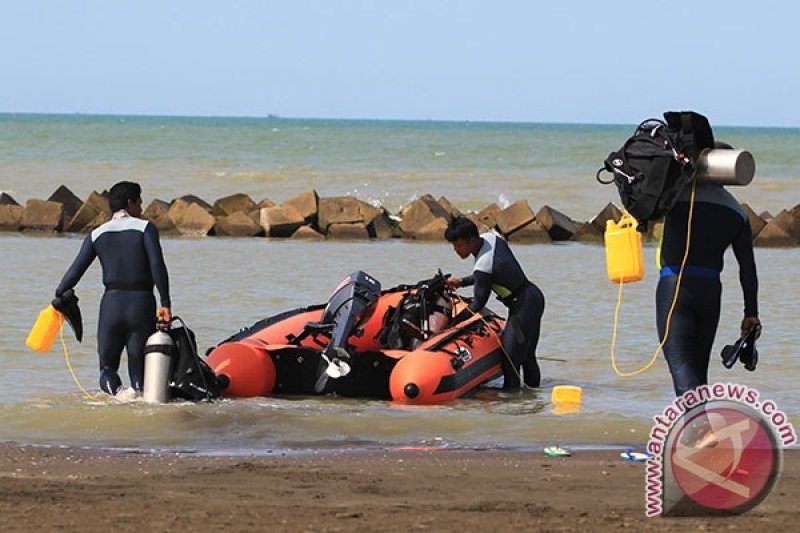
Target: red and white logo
{"type": "Point", "coordinates": [725, 457]}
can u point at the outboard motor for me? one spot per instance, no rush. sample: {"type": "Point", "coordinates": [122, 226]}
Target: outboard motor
{"type": "Point", "coordinates": [157, 361]}
{"type": "Point", "coordinates": [348, 309]}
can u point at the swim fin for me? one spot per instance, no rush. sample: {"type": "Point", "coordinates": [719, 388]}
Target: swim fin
{"type": "Point", "coordinates": [744, 350]}
{"type": "Point", "coordinates": [748, 355]}
{"type": "Point", "coordinates": [67, 305]}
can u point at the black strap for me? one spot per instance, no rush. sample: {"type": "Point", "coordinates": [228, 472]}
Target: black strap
{"type": "Point", "coordinates": [166, 349]}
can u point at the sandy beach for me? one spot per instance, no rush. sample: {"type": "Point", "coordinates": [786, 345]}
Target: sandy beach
{"type": "Point", "coordinates": [64, 489]}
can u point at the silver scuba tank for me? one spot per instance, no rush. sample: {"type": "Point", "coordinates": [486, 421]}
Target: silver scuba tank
{"type": "Point", "coordinates": [157, 360]}
{"type": "Point", "coordinates": [725, 167]}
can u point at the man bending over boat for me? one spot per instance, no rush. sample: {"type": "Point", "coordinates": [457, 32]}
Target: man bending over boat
{"type": "Point", "coordinates": [496, 269]}
{"type": "Point", "coordinates": [132, 261]}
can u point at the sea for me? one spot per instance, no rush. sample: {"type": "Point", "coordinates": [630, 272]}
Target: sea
{"type": "Point", "coordinates": [220, 285]}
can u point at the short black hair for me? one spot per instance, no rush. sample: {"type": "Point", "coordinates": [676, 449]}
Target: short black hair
{"type": "Point", "coordinates": [461, 227]}
{"type": "Point", "coordinates": [121, 192]}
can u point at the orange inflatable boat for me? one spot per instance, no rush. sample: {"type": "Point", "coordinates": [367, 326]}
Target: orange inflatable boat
{"type": "Point", "coordinates": [398, 344]}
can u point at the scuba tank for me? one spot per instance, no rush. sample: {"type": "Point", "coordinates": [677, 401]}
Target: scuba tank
{"type": "Point", "coordinates": [157, 361]}
{"type": "Point", "coordinates": [725, 167]}
{"type": "Point", "coordinates": [44, 331]}
{"type": "Point", "coordinates": [624, 261]}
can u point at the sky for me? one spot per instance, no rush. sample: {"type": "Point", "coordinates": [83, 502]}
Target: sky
{"type": "Point", "coordinates": [570, 61]}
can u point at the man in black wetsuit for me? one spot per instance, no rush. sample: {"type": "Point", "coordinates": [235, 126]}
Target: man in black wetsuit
{"type": "Point", "coordinates": [718, 221]}
{"type": "Point", "coordinates": [132, 261]}
{"type": "Point", "coordinates": [496, 269]}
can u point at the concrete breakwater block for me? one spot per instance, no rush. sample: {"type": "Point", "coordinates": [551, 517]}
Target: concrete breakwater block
{"type": "Point", "coordinates": [756, 222]}
{"type": "Point", "coordinates": [192, 218]}
{"type": "Point", "coordinates": [531, 233]}
{"type": "Point", "coordinates": [11, 217]}
{"type": "Point", "coordinates": [419, 215]}
{"type": "Point", "coordinates": [307, 233]}
{"type": "Point", "coordinates": [71, 204]}
{"type": "Point", "coordinates": [6, 199]}
{"type": "Point", "coordinates": [235, 203]}
{"type": "Point", "coordinates": [307, 204]}
{"type": "Point", "coordinates": [514, 217]}
{"type": "Point", "coordinates": [238, 224]}
{"type": "Point", "coordinates": [157, 212]}
{"type": "Point", "coordinates": [348, 231]}
{"type": "Point", "coordinates": [82, 219]}
{"type": "Point", "coordinates": [558, 225]}
{"type": "Point", "coordinates": [280, 221]}
{"type": "Point", "coordinates": [345, 210]}
{"type": "Point", "coordinates": [782, 231]}
{"type": "Point", "coordinates": [488, 216]}
{"type": "Point", "coordinates": [448, 206]}
{"type": "Point", "coordinates": [41, 215]}
{"type": "Point", "coordinates": [609, 212]}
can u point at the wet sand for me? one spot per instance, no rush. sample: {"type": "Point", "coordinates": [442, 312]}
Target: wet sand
{"type": "Point", "coordinates": [50, 489]}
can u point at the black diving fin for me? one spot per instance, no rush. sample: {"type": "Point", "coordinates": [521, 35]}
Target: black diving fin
{"type": "Point", "coordinates": [67, 305]}
{"type": "Point", "coordinates": [744, 350]}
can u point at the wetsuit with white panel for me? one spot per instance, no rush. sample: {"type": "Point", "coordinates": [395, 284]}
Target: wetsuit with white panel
{"type": "Point", "coordinates": [497, 270]}
{"type": "Point", "coordinates": [132, 262]}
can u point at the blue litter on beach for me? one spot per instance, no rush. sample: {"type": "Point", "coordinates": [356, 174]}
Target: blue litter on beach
{"type": "Point", "coordinates": [633, 456]}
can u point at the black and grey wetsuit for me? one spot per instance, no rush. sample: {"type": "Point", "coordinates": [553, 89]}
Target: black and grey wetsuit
{"type": "Point", "coordinates": [132, 260]}
{"type": "Point", "coordinates": [496, 269]}
{"type": "Point", "coordinates": [718, 221]}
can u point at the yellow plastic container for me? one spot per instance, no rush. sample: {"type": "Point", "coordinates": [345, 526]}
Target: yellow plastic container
{"type": "Point", "coordinates": [624, 250]}
{"type": "Point", "coordinates": [566, 394]}
{"type": "Point", "coordinates": [566, 399]}
{"type": "Point", "coordinates": [44, 331]}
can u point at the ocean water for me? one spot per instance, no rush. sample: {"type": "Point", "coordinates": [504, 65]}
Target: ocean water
{"type": "Point", "coordinates": [390, 162]}
{"type": "Point", "coordinates": [220, 285]}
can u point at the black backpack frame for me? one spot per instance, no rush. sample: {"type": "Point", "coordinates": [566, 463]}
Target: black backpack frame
{"type": "Point", "coordinates": [657, 162]}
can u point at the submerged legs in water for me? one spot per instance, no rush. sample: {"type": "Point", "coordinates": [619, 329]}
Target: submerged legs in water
{"type": "Point", "coordinates": [520, 338]}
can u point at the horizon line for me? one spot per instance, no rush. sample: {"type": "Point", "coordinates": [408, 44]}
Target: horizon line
{"type": "Point", "coordinates": [273, 116]}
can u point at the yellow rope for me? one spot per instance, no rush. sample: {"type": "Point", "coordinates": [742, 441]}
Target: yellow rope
{"type": "Point", "coordinates": [71, 371]}
{"type": "Point", "coordinates": [671, 308]}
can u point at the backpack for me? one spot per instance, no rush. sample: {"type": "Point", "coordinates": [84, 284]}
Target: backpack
{"type": "Point", "coordinates": [657, 162]}
{"type": "Point", "coordinates": [190, 376]}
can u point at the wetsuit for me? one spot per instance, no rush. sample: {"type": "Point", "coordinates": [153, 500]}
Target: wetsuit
{"type": "Point", "coordinates": [132, 260]}
{"type": "Point", "coordinates": [496, 269]}
{"type": "Point", "coordinates": [718, 221]}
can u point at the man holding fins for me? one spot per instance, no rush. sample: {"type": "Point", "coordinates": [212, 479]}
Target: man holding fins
{"type": "Point", "coordinates": [496, 269]}
{"type": "Point", "coordinates": [132, 261]}
{"type": "Point", "coordinates": [717, 222]}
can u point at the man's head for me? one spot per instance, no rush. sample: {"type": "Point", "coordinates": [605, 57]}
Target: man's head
{"type": "Point", "coordinates": [463, 234]}
{"type": "Point", "coordinates": [126, 195]}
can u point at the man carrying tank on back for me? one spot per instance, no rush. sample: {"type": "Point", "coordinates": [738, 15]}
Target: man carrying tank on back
{"type": "Point", "coordinates": [132, 262]}
{"type": "Point", "coordinates": [496, 269]}
{"type": "Point", "coordinates": [717, 221]}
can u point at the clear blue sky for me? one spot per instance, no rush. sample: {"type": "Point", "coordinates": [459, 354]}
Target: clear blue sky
{"type": "Point", "coordinates": [557, 61]}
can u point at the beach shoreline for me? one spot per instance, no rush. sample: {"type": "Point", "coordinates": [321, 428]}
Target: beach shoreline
{"type": "Point", "coordinates": [79, 489]}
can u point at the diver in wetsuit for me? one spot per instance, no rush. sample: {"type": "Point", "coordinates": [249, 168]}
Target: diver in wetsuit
{"type": "Point", "coordinates": [496, 269]}
{"type": "Point", "coordinates": [718, 221]}
{"type": "Point", "coordinates": [132, 260]}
